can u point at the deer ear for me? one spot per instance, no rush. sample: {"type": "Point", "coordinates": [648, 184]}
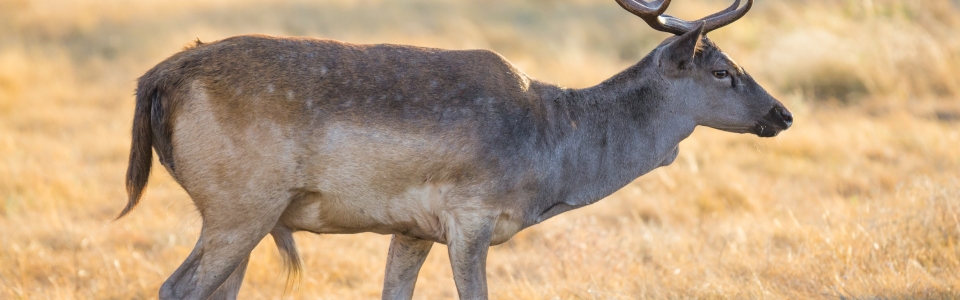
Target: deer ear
{"type": "Point", "coordinates": [680, 53]}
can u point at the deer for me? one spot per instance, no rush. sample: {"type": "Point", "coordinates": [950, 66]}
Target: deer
{"type": "Point", "coordinates": [274, 135]}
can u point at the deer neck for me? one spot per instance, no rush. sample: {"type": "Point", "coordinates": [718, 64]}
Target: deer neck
{"type": "Point", "coordinates": [618, 130]}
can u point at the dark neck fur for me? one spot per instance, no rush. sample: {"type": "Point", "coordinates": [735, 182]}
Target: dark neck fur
{"type": "Point", "coordinates": [610, 134]}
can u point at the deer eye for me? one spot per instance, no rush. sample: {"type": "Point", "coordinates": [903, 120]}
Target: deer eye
{"type": "Point", "coordinates": [720, 74]}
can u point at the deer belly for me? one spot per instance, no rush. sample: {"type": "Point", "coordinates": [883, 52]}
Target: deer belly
{"type": "Point", "coordinates": [411, 213]}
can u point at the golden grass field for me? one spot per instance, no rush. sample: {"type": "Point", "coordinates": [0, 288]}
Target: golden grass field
{"type": "Point", "coordinates": [859, 200]}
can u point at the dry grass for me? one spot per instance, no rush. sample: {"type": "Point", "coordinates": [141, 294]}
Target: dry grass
{"type": "Point", "coordinates": [861, 199]}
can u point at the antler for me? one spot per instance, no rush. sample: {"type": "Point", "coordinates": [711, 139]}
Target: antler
{"type": "Point", "coordinates": [652, 13]}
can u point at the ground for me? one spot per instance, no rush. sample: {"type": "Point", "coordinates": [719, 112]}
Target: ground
{"type": "Point", "coordinates": [860, 199]}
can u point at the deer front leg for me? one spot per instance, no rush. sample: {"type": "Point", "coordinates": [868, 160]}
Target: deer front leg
{"type": "Point", "coordinates": [468, 243]}
{"type": "Point", "coordinates": [403, 264]}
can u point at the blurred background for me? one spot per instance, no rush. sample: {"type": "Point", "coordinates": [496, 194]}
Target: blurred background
{"type": "Point", "coordinates": [860, 199]}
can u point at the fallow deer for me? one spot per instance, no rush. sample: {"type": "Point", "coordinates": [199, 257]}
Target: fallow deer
{"type": "Point", "coordinates": [272, 135]}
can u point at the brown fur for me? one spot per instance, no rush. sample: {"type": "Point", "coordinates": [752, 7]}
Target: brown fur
{"type": "Point", "coordinates": [314, 83]}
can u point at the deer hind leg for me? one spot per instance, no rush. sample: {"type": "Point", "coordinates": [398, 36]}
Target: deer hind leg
{"type": "Point", "coordinates": [404, 260]}
{"type": "Point", "coordinates": [232, 227]}
{"type": "Point", "coordinates": [230, 288]}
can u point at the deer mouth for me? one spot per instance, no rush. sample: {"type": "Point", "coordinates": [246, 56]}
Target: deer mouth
{"type": "Point", "coordinates": [764, 129]}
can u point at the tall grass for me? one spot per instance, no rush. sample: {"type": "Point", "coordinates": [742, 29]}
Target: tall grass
{"type": "Point", "coordinates": [858, 200]}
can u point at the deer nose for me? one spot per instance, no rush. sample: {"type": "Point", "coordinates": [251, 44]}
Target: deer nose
{"type": "Point", "coordinates": [785, 115]}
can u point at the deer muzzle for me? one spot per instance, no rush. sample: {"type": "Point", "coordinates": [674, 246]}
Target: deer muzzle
{"type": "Point", "coordinates": [776, 120]}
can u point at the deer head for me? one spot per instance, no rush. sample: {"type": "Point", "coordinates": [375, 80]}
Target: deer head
{"type": "Point", "coordinates": [699, 78]}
